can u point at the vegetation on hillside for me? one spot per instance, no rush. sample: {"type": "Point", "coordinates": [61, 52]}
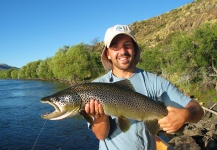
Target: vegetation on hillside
{"type": "Point", "coordinates": [187, 18]}
{"type": "Point", "coordinates": [189, 61]}
{"type": "Point", "coordinates": [192, 57]}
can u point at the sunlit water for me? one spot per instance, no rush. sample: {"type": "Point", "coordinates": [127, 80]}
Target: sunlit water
{"type": "Point", "coordinates": [21, 125]}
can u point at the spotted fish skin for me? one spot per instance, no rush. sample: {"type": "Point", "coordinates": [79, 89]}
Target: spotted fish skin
{"type": "Point", "coordinates": [118, 99]}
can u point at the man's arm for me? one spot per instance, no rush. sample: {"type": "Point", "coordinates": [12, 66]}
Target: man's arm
{"type": "Point", "coordinates": [101, 125]}
{"type": "Point", "coordinates": [176, 117]}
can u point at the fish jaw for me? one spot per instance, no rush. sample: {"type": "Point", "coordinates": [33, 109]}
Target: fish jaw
{"type": "Point", "coordinates": [60, 112]}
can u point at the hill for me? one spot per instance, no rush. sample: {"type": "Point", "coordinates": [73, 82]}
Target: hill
{"type": "Point", "coordinates": [186, 18]}
{"type": "Point", "coordinates": [6, 67]}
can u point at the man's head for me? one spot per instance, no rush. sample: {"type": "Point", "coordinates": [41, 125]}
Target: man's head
{"type": "Point", "coordinates": [119, 40]}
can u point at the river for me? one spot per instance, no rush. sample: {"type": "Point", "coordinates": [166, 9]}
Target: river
{"type": "Point", "coordinates": [21, 125]}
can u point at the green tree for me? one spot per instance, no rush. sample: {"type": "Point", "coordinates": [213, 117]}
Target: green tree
{"type": "Point", "coordinates": [58, 63]}
{"type": "Point", "coordinates": [151, 60]}
{"type": "Point", "coordinates": [95, 64]}
{"type": "Point", "coordinates": [4, 74]}
{"type": "Point", "coordinates": [31, 68]}
{"type": "Point", "coordinates": [44, 70]}
{"type": "Point", "coordinates": [22, 73]}
{"type": "Point", "coordinates": [14, 74]}
{"type": "Point", "coordinates": [205, 38]}
{"type": "Point", "coordinates": [77, 63]}
{"type": "Point", "coordinates": [205, 55]}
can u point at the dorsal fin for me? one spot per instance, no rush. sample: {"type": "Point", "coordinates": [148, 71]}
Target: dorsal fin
{"type": "Point", "coordinates": [125, 83]}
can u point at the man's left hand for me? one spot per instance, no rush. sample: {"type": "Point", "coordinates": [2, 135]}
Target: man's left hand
{"type": "Point", "coordinates": [175, 119]}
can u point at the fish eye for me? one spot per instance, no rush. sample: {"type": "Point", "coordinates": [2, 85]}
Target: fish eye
{"type": "Point", "coordinates": [54, 99]}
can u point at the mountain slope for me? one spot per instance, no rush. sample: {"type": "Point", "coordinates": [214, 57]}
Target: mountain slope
{"type": "Point", "coordinates": [5, 67]}
{"type": "Point", "coordinates": [186, 18]}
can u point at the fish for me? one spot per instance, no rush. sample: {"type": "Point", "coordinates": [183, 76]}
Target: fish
{"type": "Point", "coordinates": [118, 99]}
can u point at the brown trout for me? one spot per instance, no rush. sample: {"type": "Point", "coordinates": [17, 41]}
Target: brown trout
{"type": "Point", "coordinates": [118, 99]}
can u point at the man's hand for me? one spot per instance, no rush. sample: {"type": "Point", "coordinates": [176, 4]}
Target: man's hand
{"type": "Point", "coordinates": [94, 109]}
{"type": "Point", "coordinates": [175, 119]}
{"type": "Point", "coordinates": [101, 124]}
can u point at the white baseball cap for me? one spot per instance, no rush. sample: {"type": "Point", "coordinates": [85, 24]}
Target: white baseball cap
{"type": "Point", "coordinates": [109, 36]}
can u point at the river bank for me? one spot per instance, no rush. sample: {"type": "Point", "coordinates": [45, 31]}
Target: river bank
{"type": "Point", "coordinates": [201, 135]}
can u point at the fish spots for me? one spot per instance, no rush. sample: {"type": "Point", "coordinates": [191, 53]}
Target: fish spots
{"type": "Point", "coordinates": [62, 100]}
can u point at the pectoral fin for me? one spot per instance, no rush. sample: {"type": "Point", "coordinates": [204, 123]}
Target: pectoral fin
{"type": "Point", "coordinates": [123, 123]}
{"type": "Point", "coordinates": [86, 116]}
{"type": "Point", "coordinates": [152, 126]}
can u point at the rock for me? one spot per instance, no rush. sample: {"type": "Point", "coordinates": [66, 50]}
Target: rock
{"type": "Point", "coordinates": [198, 136]}
{"type": "Point", "coordinates": [214, 119]}
{"type": "Point", "coordinates": [211, 145]}
{"type": "Point", "coordinates": [207, 86]}
{"type": "Point", "coordinates": [211, 134]}
{"type": "Point", "coordinates": [184, 142]}
{"type": "Point", "coordinates": [194, 132]}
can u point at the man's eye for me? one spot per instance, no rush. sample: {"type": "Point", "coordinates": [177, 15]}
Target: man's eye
{"type": "Point", "coordinates": [129, 45]}
{"type": "Point", "coordinates": [115, 46]}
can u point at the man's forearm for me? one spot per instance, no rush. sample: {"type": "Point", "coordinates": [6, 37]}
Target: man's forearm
{"type": "Point", "coordinates": [101, 127]}
{"type": "Point", "coordinates": [195, 112]}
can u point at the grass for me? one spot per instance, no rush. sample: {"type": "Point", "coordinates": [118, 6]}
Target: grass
{"type": "Point", "coordinates": [209, 95]}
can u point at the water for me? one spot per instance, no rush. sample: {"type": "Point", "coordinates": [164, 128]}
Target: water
{"type": "Point", "coordinates": [21, 126]}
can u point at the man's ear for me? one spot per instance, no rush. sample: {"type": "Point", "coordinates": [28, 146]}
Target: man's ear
{"type": "Point", "coordinates": [107, 53]}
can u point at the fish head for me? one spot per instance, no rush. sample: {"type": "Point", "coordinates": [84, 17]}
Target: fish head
{"type": "Point", "coordinates": [66, 104]}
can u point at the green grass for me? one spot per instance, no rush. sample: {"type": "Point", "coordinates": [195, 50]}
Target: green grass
{"type": "Point", "coordinates": [203, 96]}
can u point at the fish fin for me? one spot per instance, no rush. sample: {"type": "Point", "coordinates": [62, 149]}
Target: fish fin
{"type": "Point", "coordinates": [152, 126]}
{"type": "Point", "coordinates": [123, 123]}
{"type": "Point", "coordinates": [86, 116]}
{"type": "Point", "coordinates": [125, 83]}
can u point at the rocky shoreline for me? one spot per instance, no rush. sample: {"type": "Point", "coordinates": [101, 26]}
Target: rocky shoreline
{"type": "Point", "coordinates": [199, 136]}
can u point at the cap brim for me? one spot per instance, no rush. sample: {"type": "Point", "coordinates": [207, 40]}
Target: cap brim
{"type": "Point", "coordinates": [111, 38]}
{"type": "Point", "coordinates": [105, 61]}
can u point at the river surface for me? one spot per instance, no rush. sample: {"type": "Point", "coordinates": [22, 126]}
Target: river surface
{"type": "Point", "coordinates": [21, 125]}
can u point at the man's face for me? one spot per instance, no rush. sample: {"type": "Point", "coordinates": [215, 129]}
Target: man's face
{"type": "Point", "coordinates": [121, 52]}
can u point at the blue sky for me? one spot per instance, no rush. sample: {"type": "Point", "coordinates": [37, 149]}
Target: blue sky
{"type": "Point", "coordinates": [35, 29]}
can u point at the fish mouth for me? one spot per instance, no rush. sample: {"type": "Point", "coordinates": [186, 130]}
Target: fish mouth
{"type": "Point", "coordinates": [58, 113]}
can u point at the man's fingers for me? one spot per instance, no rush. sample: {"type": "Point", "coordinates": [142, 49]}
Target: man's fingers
{"type": "Point", "coordinates": [87, 108]}
{"type": "Point", "coordinates": [94, 109]}
{"type": "Point", "coordinates": [101, 111]}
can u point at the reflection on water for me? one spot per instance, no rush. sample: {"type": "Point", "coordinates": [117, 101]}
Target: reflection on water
{"type": "Point", "coordinates": [21, 124]}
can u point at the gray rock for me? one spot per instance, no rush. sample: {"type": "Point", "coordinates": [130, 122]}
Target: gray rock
{"type": "Point", "coordinates": [184, 142]}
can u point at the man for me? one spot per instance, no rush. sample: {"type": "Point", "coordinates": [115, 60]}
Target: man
{"type": "Point", "coordinates": [120, 56]}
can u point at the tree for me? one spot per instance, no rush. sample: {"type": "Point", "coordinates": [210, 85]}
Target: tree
{"type": "Point", "coordinates": [58, 63]}
{"type": "Point", "coordinates": [44, 70]}
{"type": "Point", "coordinates": [31, 68]}
{"type": "Point", "coordinates": [14, 73]}
{"type": "Point", "coordinates": [77, 63]}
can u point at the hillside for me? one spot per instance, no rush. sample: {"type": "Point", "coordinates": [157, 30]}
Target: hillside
{"type": "Point", "coordinates": [186, 18]}
{"type": "Point", "coordinates": [5, 67]}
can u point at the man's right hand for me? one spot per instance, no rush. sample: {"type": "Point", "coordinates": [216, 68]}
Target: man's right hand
{"type": "Point", "coordinates": [101, 125]}
{"type": "Point", "coordinates": [94, 109]}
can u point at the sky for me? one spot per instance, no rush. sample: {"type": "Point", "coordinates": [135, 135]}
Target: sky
{"type": "Point", "coordinates": [32, 30]}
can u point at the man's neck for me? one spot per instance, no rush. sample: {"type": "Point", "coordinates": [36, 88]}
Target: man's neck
{"type": "Point", "coordinates": [123, 73]}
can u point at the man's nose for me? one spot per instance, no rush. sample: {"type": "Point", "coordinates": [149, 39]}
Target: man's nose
{"type": "Point", "coordinates": [123, 49]}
